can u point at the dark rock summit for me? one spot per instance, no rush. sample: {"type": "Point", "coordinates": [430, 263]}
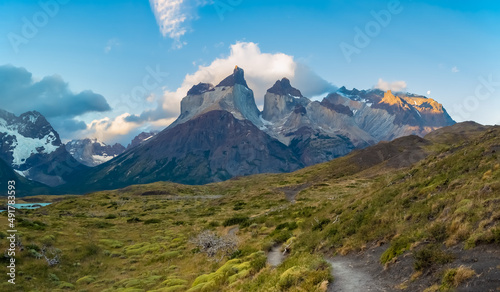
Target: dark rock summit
{"type": "Point", "coordinates": [283, 87]}
{"type": "Point", "coordinates": [238, 77]}
{"type": "Point", "coordinates": [141, 138]}
{"type": "Point", "coordinates": [200, 88]}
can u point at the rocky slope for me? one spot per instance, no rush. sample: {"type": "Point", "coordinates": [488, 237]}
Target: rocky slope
{"type": "Point", "coordinates": [319, 131]}
{"type": "Point", "coordinates": [24, 186]}
{"type": "Point", "coordinates": [141, 138]}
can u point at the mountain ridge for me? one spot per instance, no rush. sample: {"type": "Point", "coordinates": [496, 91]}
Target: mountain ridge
{"type": "Point", "coordinates": [292, 132]}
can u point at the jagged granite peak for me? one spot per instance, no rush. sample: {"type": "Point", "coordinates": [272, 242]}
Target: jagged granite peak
{"type": "Point", "coordinates": [92, 152]}
{"type": "Point", "coordinates": [141, 138]}
{"type": "Point", "coordinates": [238, 77]}
{"type": "Point", "coordinates": [281, 100]}
{"type": "Point", "coordinates": [283, 87]}
{"type": "Point", "coordinates": [233, 96]}
{"type": "Point", "coordinates": [414, 110]}
{"type": "Point", "coordinates": [200, 88]}
{"type": "Point", "coordinates": [33, 148]}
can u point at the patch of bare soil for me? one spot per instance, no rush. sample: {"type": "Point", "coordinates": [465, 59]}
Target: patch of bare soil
{"type": "Point", "coordinates": [292, 191]}
{"type": "Point", "coordinates": [363, 271]}
{"type": "Point", "coordinates": [360, 272]}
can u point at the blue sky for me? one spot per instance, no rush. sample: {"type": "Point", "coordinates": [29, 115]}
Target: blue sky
{"type": "Point", "coordinates": [102, 51]}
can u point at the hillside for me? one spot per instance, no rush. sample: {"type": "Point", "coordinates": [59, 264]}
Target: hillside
{"type": "Point", "coordinates": [423, 213]}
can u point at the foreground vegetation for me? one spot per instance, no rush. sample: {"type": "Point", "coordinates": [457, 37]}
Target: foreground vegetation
{"type": "Point", "coordinates": [143, 238]}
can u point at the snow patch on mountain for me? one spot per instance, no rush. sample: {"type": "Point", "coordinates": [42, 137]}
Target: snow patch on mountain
{"type": "Point", "coordinates": [23, 147]}
{"type": "Point", "coordinates": [92, 152]}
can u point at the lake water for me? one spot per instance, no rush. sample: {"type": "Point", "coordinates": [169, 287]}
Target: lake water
{"type": "Point", "coordinates": [30, 206]}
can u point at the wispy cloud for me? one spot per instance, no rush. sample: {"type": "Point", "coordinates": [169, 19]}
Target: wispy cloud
{"type": "Point", "coordinates": [112, 43]}
{"type": "Point", "coordinates": [455, 70]}
{"type": "Point", "coordinates": [173, 15]}
{"type": "Point", "coordinates": [393, 86]}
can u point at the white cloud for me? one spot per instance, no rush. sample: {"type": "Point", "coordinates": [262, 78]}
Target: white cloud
{"type": "Point", "coordinates": [395, 86]}
{"type": "Point", "coordinates": [455, 69]}
{"type": "Point", "coordinates": [429, 92]}
{"type": "Point", "coordinates": [107, 129]}
{"type": "Point", "coordinates": [172, 17]}
{"type": "Point", "coordinates": [110, 45]}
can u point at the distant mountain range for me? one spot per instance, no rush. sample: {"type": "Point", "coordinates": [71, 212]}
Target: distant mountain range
{"type": "Point", "coordinates": [221, 134]}
{"type": "Point", "coordinates": [92, 152]}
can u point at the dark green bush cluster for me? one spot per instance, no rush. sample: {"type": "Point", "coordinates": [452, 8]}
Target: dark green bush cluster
{"type": "Point", "coordinates": [243, 221]}
{"type": "Point", "coordinates": [152, 221]}
{"type": "Point", "coordinates": [239, 205]}
{"type": "Point", "coordinates": [430, 255]}
{"type": "Point", "coordinates": [287, 225]}
{"type": "Point", "coordinates": [35, 225]}
{"type": "Point", "coordinates": [99, 224]}
{"type": "Point", "coordinates": [438, 232]}
{"type": "Point", "coordinates": [320, 224]}
{"type": "Point", "coordinates": [133, 220]}
{"type": "Point", "coordinates": [110, 216]}
{"type": "Point", "coordinates": [280, 236]}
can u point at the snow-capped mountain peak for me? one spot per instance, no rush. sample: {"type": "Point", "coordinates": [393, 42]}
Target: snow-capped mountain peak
{"type": "Point", "coordinates": [26, 135]}
{"type": "Point", "coordinates": [92, 152]}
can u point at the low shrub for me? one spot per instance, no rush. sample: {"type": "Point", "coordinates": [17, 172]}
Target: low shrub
{"type": "Point", "coordinates": [454, 277]}
{"type": "Point", "coordinates": [152, 221]}
{"type": "Point", "coordinates": [35, 225]}
{"type": "Point", "coordinates": [397, 248]}
{"type": "Point", "coordinates": [134, 220]}
{"type": "Point", "coordinates": [237, 220]}
{"type": "Point", "coordinates": [430, 255]}
{"type": "Point", "coordinates": [437, 232]}
{"type": "Point", "coordinates": [111, 216]}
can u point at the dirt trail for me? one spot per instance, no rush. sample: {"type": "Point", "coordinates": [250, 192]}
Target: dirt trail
{"type": "Point", "coordinates": [363, 272]}
{"type": "Point", "coordinates": [275, 257]}
{"type": "Point", "coordinates": [349, 276]}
